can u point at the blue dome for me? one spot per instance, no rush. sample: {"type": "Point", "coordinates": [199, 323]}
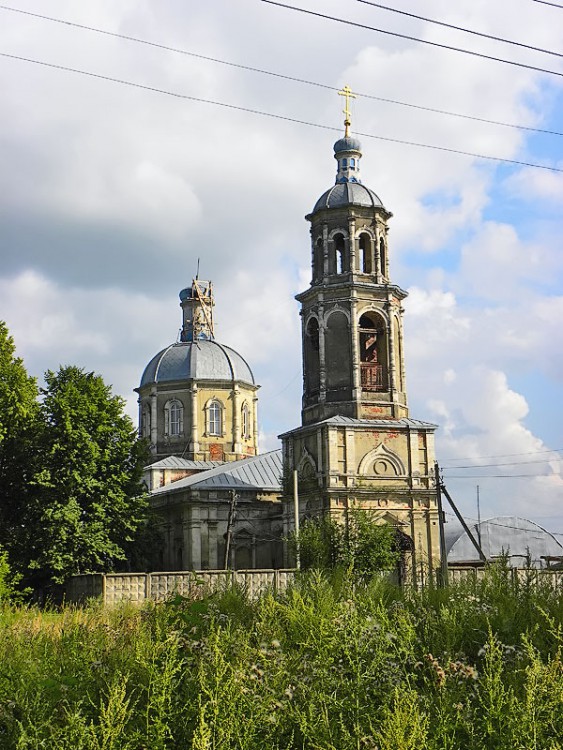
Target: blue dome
{"type": "Point", "coordinates": [197, 360]}
{"type": "Point", "coordinates": [347, 144]}
{"type": "Point", "coordinates": [348, 194]}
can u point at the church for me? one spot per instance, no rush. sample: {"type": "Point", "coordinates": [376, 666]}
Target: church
{"type": "Point", "coordinates": [222, 504]}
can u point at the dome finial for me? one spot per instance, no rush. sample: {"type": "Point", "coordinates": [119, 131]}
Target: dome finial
{"type": "Point", "coordinates": [347, 93]}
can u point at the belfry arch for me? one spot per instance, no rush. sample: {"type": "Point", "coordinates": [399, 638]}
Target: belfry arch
{"type": "Point", "coordinates": [373, 350]}
{"type": "Point", "coordinates": [338, 256]}
{"type": "Point", "coordinates": [365, 246]}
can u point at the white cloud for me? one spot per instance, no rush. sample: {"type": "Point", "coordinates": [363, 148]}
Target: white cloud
{"type": "Point", "coordinates": [110, 195]}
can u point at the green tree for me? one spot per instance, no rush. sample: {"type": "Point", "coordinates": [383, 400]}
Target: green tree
{"type": "Point", "coordinates": [359, 544]}
{"type": "Point", "coordinates": [370, 545]}
{"type": "Point", "coordinates": [20, 430]}
{"type": "Point", "coordinates": [91, 502]}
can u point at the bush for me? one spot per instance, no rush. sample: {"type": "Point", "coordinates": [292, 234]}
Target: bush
{"type": "Point", "coordinates": [358, 544]}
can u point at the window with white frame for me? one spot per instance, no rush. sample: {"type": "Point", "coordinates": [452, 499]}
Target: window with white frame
{"type": "Point", "coordinates": [245, 419]}
{"type": "Point", "coordinates": [215, 418]}
{"type": "Point", "coordinates": [173, 418]}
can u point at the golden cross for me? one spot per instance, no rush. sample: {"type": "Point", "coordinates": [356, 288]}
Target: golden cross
{"type": "Point", "coordinates": [347, 93]}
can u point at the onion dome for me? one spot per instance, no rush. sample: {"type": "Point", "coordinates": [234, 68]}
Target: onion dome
{"type": "Point", "coordinates": [348, 189]}
{"type": "Point", "coordinates": [347, 144]}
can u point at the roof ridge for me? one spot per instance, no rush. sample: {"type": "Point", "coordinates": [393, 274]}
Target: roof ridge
{"type": "Point", "coordinates": [224, 468]}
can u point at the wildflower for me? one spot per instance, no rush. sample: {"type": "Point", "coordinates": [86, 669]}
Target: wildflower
{"type": "Point", "coordinates": [276, 644]}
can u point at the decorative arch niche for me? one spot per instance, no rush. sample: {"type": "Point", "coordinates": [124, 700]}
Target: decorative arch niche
{"type": "Point", "coordinates": [311, 356]}
{"type": "Point", "coordinates": [307, 469]}
{"type": "Point", "coordinates": [381, 462]}
{"type": "Point", "coordinates": [318, 259]}
{"type": "Point", "coordinates": [382, 257]}
{"type": "Point", "coordinates": [366, 253]}
{"type": "Point", "coordinates": [337, 351]}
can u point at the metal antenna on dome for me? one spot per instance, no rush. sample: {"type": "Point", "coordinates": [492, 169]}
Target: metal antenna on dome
{"type": "Point", "coordinates": [197, 272]}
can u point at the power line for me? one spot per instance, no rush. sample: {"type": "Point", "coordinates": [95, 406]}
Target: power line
{"type": "Point", "coordinates": [501, 476]}
{"type": "Point", "coordinates": [545, 2]}
{"type": "Point", "coordinates": [510, 463]}
{"type": "Point", "coordinates": [285, 118]}
{"type": "Point", "coordinates": [275, 74]}
{"type": "Point", "coordinates": [461, 28]}
{"type": "Point", "coordinates": [413, 38]}
{"type": "Point", "coordinates": [503, 455]}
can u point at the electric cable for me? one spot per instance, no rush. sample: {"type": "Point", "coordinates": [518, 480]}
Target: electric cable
{"type": "Point", "coordinates": [509, 463]}
{"type": "Point", "coordinates": [503, 455]}
{"type": "Point", "coordinates": [275, 74]}
{"type": "Point", "coordinates": [545, 2]}
{"type": "Point", "coordinates": [413, 38]}
{"type": "Point", "coordinates": [285, 118]}
{"type": "Point", "coordinates": [501, 476]}
{"type": "Point", "coordinates": [461, 28]}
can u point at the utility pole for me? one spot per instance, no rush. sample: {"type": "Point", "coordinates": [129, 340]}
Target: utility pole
{"type": "Point", "coordinates": [441, 521]}
{"type": "Point", "coordinates": [230, 524]}
{"type": "Point", "coordinates": [478, 516]}
{"type": "Point", "coordinates": [466, 528]}
{"type": "Point", "coordinates": [296, 515]}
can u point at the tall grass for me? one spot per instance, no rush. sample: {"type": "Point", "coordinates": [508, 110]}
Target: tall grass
{"type": "Point", "coordinates": [329, 664]}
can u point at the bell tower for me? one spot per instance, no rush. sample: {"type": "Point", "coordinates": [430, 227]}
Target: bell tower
{"type": "Point", "coordinates": [357, 445]}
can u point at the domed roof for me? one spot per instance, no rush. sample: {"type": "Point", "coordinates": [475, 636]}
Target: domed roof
{"type": "Point", "coordinates": [197, 360]}
{"type": "Point", "coordinates": [347, 144]}
{"type": "Point", "coordinates": [346, 194]}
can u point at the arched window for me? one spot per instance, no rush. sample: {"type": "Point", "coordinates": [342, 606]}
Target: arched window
{"type": "Point", "coordinates": [215, 418]}
{"type": "Point", "coordinates": [146, 421]}
{"type": "Point", "coordinates": [245, 420]}
{"type": "Point", "coordinates": [173, 418]}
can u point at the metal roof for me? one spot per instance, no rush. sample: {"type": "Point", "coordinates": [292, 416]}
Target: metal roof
{"type": "Point", "coordinates": [197, 360]}
{"type": "Point", "coordinates": [177, 462]}
{"type": "Point", "coordinates": [509, 534]}
{"type": "Point", "coordinates": [338, 420]}
{"type": "Point", "coordinates": [262, 472]}
{"type": "Point", "coordinates": [348, 194]}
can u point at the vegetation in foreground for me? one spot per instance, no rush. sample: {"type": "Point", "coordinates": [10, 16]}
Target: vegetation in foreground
{"type": "Point", "coordinates": [326, 665]}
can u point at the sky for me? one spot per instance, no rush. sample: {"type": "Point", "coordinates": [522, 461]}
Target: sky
{"type": "Point", "coordinates": [109, 194]}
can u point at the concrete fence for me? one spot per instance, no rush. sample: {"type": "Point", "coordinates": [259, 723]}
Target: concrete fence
{"type": "Point", "coordinates": [112, 588]}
